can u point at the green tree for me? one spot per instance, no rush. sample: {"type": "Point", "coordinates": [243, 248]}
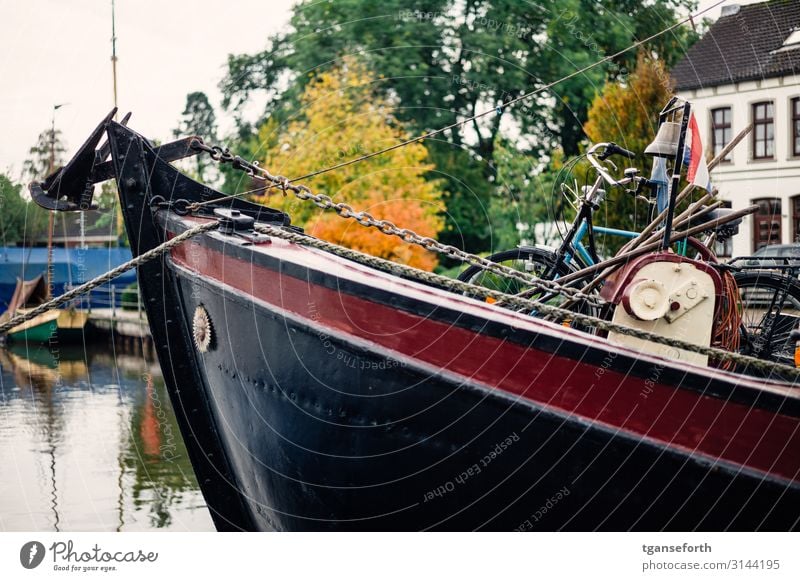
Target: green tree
{"type": "Point", "coordinates": [45, 156]}
{"type": "Point", "coordinates": [527, 206]}
{"type": "Point", "coordinates": [198, 118]}
{"type": "Point", "coordinates": [21, 220]}
{"type": "Point", "coordinates": [444, 61]}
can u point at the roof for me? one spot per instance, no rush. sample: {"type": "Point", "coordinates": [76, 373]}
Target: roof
{"type": "Point", "coordinates": [744, 44]}
{"type": "Point", "coordinates": [97, 227]}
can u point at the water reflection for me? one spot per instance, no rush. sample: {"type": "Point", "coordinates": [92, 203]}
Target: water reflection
{"type": "Point", "coordinates": [89, 441]}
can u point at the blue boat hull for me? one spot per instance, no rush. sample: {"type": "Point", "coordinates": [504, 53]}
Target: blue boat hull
{"type": "Point", "coordinates": [71, 267]}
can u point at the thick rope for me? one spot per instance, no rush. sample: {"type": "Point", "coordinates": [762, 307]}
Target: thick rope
{"type": "Point", "coordinates": [409, 272]}
{"type": "Point", "coordinates": [525, 304]}
{"type": "Point", "coordinates": [104, 278]}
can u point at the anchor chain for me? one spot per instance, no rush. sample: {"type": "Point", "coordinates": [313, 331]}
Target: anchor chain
{"type": "Point", "coordinates": [304, 193]}
{"type": "Point", "coordinates": [409, 272]}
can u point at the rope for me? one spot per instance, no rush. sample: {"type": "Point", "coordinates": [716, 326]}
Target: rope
{"type": "Point", "coordinates": [409, 272]}
{"type": "Point", "coordinates": [484, 113]}
{"type": "Point", "coordinates": [522, 303]}
{"type": "Point", "coordinates": [104, 278]}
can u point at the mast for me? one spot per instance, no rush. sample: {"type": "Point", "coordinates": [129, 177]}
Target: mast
{"type": "Point", "coordinates": [114, 51]}
{"type": "Point", "coordinates": [120, 225]}
{"type": "Point", "coordinates": [51, 166]}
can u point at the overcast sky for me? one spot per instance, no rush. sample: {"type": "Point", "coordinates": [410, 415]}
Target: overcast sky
{"type": "Point", "coordinates": [58, 51]}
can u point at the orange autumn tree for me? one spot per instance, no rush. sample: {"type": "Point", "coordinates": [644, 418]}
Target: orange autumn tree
{"type": "Point", "coordinates": [341, 119]}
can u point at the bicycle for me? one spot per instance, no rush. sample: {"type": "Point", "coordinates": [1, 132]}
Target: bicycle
{"type": "Point", "coordinates": [767, 300]}
{"type": "Point", "coordinates": [572, 255]}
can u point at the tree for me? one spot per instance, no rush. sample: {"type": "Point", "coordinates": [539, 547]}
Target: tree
{"type": "Point", "coordinates": [198, 118]}
{"type": "Point", "coordinates": [445, 60]}
{"type": "Point", "coordinates": [46, 156]}
{"type": "Point", "coordinates": [527, 206]}
{"type": "Point", "coordinates": [627, 114]}
{"type": "Point", "coordinates": [20, 219]}
{"type": "Point", "coordinates": [342, 119]}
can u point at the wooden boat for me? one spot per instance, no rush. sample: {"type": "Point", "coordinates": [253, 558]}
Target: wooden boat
{"type": "Point", "coordinates": [317, 393]}
{"type": "Point", "coordinates": [63, 324]}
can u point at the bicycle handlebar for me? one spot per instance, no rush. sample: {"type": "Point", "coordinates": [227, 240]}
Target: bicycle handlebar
{"type": "Point", "coordinates": [614, 149]}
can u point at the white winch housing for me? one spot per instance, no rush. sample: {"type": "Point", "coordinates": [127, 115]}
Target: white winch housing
{"type": "Point", "coordinates": [673, 299]}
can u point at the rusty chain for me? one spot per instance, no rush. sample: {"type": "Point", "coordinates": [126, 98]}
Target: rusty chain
{"type": "Point", "coordinates": [302, 192]}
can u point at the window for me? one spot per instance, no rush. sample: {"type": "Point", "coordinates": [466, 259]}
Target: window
{"type": "Point", "coordinates": [795, 219]}
{"type": "Point", "coordinates": [796, 126]}
{"type": "Point", "coordinates": [792, 42]}
{"type": "Point", "coordinates": [720, 130]}
{"type": "Point", "coordinates": [724, 248]}
{"type": "Point", "coordinates": [763, 131]}
{"type": "Point", "coordinates": [766, 223]}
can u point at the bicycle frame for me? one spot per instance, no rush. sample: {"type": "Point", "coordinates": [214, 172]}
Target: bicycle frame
{"type": "Point", "coordinates": [583, 229]}
{"type": "Point", "coordinates": [572, 247]}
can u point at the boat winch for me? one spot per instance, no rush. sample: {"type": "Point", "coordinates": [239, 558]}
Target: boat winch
{"type": "Point", "coordinates": [669, 295]}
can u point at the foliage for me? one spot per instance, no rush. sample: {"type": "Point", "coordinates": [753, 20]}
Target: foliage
{"type": "Point", "coordinates": [130, 297]}
{"type": "Point", "coordinates": [45, 156]}
{"type": "Point", "coordinates": [198, 118]}
{"type": "Point", "coordinates": [527, 206]}
{"type": "Point", "coordinates": [466, 192]}
{"type": "Point", "coordinates": [445, 60]}
{"type": "Point", "coordinates": [627, 114]}
{"type": "Point", "coordinates": [343, 118]}
{"type": "Point", "coordinates": [21, 220]}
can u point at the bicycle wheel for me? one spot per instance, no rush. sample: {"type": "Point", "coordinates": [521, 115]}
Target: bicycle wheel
{"type": "Point", "coordinates": [770, 311]}
{"type": "Point", "coordinates": [534, 261]}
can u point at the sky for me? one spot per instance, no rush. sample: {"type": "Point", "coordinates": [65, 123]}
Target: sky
{"type": "Point", "coordinates": [58, 52]}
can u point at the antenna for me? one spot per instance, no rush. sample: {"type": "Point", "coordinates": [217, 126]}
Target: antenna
{"type": "Point", "coordinates": [114, 52]}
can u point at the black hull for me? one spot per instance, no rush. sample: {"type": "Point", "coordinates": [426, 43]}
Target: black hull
{"type": "Point", "coordinates": [319, 447]}
{"type": "Point", "coordinates": [291, 425]}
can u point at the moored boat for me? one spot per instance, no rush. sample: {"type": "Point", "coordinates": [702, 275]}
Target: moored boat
{"type": "Point", "coordinates": [62, 324]}
{"type": "Point", "coordinates": [315, 392]}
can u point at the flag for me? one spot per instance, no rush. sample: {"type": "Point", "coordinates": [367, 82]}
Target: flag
{"type": "Point", "coordinates": [659, 177]}
{"type": "Point", "coordinates": [695, 158]}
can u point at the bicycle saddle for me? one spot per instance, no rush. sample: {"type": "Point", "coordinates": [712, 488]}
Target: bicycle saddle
{"type": "Point", "coordinates": [716, 214]}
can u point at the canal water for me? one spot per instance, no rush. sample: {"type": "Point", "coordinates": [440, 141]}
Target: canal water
{"type": "Point", "coordinates": [89, 442]}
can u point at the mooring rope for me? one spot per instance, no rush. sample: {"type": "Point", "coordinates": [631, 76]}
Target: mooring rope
{"type": "Point", "coordinates": [409, 272]}
{"type": "Point", "coordinates": [103, 278]}
{"type": "Point", "coordinates": [528, 305]}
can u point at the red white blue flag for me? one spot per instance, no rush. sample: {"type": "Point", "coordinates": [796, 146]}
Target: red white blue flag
{"type": "Point", "coordinates": [695, 158]}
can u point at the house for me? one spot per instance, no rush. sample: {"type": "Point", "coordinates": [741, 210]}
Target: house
{"type": "Point", "coordinates": [745, 69]}
{"type": "Point", "coordinates": [91, 229]}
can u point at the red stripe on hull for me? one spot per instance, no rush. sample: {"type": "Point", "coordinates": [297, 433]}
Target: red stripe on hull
{"type": "Point", "coordinates": [752, 437]}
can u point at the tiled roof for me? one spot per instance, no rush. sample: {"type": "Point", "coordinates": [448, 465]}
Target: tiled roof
{"type": "Point", "coordinates": [742, 47]}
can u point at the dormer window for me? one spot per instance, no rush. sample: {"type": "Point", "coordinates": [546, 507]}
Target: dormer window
{"type": "Point", "coordinates": [792, 41]}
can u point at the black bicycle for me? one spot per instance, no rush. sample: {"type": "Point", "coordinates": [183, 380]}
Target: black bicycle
{"type": "Point", "coordinates": [770, 307]}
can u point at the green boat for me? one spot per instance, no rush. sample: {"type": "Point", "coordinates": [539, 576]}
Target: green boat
{"type": "Point", "coordinates": [40, 329]}
{"type": "Point", "coordinates": [65, 324]}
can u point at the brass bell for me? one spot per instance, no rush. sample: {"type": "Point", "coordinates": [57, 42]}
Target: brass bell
{"type": "Point", "coordinates": [666, 142]}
